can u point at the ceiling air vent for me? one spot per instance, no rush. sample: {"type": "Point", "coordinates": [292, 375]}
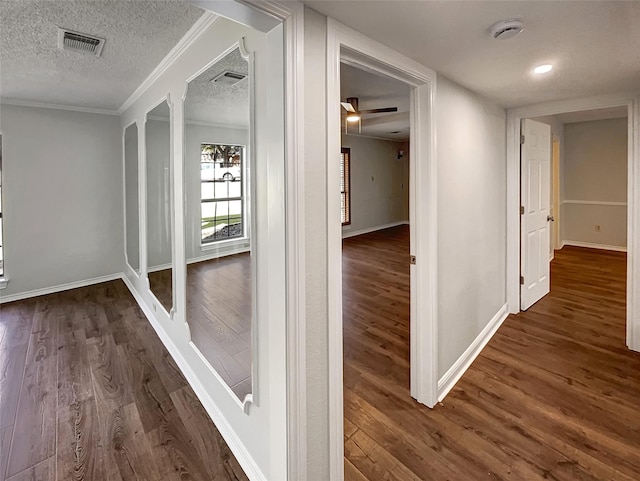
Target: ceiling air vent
{"type": "Point", "coordinates": [228, 78]}
{"type": "Point", "coordinates": [79, 42]}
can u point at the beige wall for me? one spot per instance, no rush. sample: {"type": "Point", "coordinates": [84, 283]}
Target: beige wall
{"type": "Point", "coordinates": [595, 173]}
{"type": "Point", "coordinates": [379, 183]}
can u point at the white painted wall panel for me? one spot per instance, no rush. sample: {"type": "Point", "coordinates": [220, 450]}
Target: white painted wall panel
{"type": "Point", "coordinates": [62, 193]}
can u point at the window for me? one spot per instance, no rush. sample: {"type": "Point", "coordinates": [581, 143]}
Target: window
{"type": "Point", "coordinates": [345, 186]}
{"type": "Point", "coordinates": [222, 192]}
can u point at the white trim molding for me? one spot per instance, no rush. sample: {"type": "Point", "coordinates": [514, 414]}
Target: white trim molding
{"type": "Point", "coordinates": [594, 202]}
{"type": "Point", "coordinates": [45, 105]}
{"type": "Point", "coordinates": [199, 27]}
{"type": "Point", "coordinates": [455, 372]}
{"type": "Point", "coordinates": [346, 45]}
{"type": "Point", "coordinates": [514, 116]}
{"type": "Point", "coordinates": [59, 288]}
{"type": "Point", "coordinates": [346, 232]}
{"type": "Point", "coordinates": [591, 245]}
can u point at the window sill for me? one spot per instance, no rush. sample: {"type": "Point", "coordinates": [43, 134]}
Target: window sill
{"type": "Point", "coordinates": [4, 281]}
{"type": "Point", "coordinates": [224, 244]}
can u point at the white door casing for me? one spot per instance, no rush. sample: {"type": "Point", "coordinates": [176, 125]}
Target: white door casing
{"type": "Point", "coordinates": [535, 197]}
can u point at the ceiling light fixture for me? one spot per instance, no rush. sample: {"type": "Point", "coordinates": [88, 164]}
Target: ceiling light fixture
{"type": "Point", "coordinates": [542, 69]}
{"type": "Point", "coordinates": [353, 117]}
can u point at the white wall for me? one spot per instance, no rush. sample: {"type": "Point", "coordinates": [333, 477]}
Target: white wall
{"type": "Point", "coordinates": [471, 156]}
{"type": "Point", "coordinates": [379, 183]}
{"type": "Point", "coordinates": [315, 235]}
{"type": "Point", "coordinates": [595, 172]}
{"type": "Point", "coordinates": [257, 437]}
{"type": "Point", "coordinates": [62, 189]}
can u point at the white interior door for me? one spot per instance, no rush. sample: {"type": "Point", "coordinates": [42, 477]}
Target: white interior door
{"type": "Point", "coordinates": [535, 157]}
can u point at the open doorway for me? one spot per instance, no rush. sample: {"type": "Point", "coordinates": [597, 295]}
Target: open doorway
{"type": "Point", "coordinates": [574, 181]}
{"type": "Point", "coordinates": [376, 250]}
{"type": "Point", "coordinates": [347, 46]}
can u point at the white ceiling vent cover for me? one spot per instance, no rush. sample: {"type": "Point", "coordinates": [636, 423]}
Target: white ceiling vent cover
{"type": "Point", "coordinates": [228, 78]}
{"type": "Point", "coordinates": [79, 42]}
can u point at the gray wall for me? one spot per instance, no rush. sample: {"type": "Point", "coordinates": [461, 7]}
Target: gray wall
{"type": "Point", "coordinates": [62, 189]}
{"type": "Point", "coordinates": [379, 183]}
{"type": "Point", "coordinates": [595, 171]}
{"type": "Point", "coordinates": [471, 155]}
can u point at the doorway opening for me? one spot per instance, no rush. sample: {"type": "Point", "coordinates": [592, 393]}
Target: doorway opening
{"type": "Point", "coordinates": [574, 178]}
{"type": "Point", "coordinates": [349, 47]}
{"type": "Point", "coordinates": [376, 249]}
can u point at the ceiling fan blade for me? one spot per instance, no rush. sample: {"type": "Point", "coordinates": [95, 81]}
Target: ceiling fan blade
{"type": "Point", "coordinates": [347, 106]}
{"type": "Point", "coordinates": [379, 111]}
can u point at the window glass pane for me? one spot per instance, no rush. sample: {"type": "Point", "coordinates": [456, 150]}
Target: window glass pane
{"type": "Point", "coordinates": [222, 186]}
{"type": "Point", "coordinates": [206, 192]}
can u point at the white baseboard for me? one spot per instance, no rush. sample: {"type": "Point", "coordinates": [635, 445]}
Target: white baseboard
{"type": "Point", "coordinates": [593, 246]}
{"type": "Point", "coordinates": [246, 461]}
{"type": "Point", "coordinates": [59, 288]}
{"type": "Point", "coordinates": [453, 375]}
{"type": "Point", "coordinates": [353, 233]}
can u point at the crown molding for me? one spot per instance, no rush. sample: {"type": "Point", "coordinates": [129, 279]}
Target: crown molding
{"type": "Point", "coordinates": [195, 32]}
{"type": "Point", "coordinates": [45, 105]}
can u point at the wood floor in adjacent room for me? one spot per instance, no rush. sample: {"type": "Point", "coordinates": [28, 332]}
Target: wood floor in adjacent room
{"type": "Point", "coordinates": [88, 392]}
{"type": "Point", "coordinates": [554, 396]}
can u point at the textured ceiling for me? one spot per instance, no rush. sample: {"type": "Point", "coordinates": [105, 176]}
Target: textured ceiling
{"type": "Point", "coordinates": [595, 46]}
{"type": "Point", "coordinates": [377, 91]}
{"type": "Point", "coordinates": [218, 103]}
{"type": "Point", "coordinates": [138, 33]}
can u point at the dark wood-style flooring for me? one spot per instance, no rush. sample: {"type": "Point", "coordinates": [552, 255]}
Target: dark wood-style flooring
{"type": "Point", "coordinates": [88, 392]}
{"type": "Point", "coordinates": [219, 314]}
{"type": "Point", "coordinates": [554, 396]}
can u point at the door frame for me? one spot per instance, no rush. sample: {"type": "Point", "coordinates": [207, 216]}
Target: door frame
{"type": "Point", "coordinates": [514, 116]}
{"type": "Point", "coordinates": [345, 44]}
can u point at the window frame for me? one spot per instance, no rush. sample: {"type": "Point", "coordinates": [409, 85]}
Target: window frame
{"type": "Point", "coordinates": [242, 198]}
{"type": "Point", "coordinates": [345, 177]}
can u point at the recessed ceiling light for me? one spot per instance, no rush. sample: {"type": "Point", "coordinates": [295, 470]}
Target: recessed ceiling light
{"type": "Point", "coordinates": [540, 69]}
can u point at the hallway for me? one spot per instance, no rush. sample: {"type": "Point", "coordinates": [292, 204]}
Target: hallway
{"type": "Point", "coordinates": [553, 396]}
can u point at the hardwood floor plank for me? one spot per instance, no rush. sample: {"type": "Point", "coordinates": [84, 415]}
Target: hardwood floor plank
{"type": "Point", "coordinates": [5, 445]}
{"type": "Point", "coordinates": [80, 456]}
{"type": "Point", "coordinates": [219, 461]}
{"type": "Point", "coordinates": [16, 320]}
{"type": "Point", "coordinates": [554, 395]}
{"type": "Point", "coordinates": [43, 471]}
{"type": "Point", "coordinates": [74, 372]}
{"type": "Point", "coordinates": [12, 363]}
{"type": "Point", "coordinates": [34, 433]}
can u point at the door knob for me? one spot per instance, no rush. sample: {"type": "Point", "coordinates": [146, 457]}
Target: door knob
{"type": "Point", "coordinates": [550, 218]}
